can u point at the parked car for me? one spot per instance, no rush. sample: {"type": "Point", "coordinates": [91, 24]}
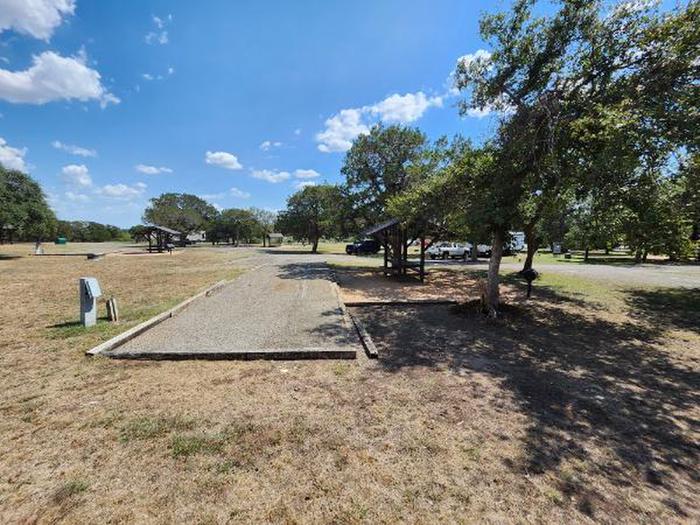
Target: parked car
{"type": "Point", "coordinates": [366, 247]}
{"type": "Point", "coordinates": [448, 250]}
{"type": "Point", "coordinates": [483, 250]}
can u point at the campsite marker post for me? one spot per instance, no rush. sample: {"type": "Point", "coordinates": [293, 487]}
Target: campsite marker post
{"type": "Point", "coordinates": [89, 290]}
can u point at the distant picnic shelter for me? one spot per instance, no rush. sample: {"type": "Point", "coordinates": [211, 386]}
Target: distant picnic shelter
{"type": "Point", "coordinates": [6, 233]}
{"type": "Point", "coordinates": [160, 238]}
{"type": "Point", "coordinates": [395, 239]}
{"type": "Point", "coordinates": [275, 239]}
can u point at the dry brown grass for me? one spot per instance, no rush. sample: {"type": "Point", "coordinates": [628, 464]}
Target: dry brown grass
{"type": "Point", "coordinates": [458, 420]}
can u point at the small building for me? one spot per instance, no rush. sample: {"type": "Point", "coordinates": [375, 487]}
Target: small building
{"type": "Point", "coordinates": [6, 233]}
{"type": "Point", "coordinates": [275, 239]}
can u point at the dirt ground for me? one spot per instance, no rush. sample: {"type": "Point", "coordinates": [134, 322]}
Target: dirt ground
{"type": "Point", "coordinates": [364, 284]}
{"type": "Point", "coordinates": [568, 411]}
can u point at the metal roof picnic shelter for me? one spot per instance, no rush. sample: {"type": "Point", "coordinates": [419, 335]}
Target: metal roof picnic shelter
{"type": "Point", "coordinates": [160, 238]}
{"type": "Point", "coordinates": [395, 240]}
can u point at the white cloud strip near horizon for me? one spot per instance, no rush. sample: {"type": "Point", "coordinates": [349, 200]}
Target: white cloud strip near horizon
{"type": "Point", "coordinates": [36, 18]}
{"type": "Point", "coordinates": [306, 174]}
{"type": "Point", "coordinates": [122, 191]}
{"type": "Point", "coordinates": [235, 192]}
{"type": "Point", "coordinates": [74, 150]}
{"type": "Point", "coordinates": [152, 170]}
{"type": "Point", "coordinates": [272, 176]}
{"type": "Point", "coordinates": [222, 159]}
{"type": "Point", "coordinates": [52, 77]}
{"type": "Point", "coordinates": [12, 158]}
{"type": "Point", "coordinates": [343, 127]}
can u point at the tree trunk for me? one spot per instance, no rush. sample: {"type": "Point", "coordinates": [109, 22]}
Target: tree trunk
{"type": "Point", "coordinates": [314, 245]}
{"type": "Point", "coordinates": [492, 290]}
{"type": "Point", "coordinates": [532, 248]}
{"type": "Point", "coordinates": [638, 255]}
{"type": "Point", "coordinates": [532, 245]}
{"type": "Point", "coordinates": [585, 254]}
{"type": "Point", "coordinates": [475, 252]}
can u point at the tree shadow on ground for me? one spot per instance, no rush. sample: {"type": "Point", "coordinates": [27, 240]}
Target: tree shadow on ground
{"type": "Point", "coordinates": [307, 270]}
{"type": "Point", "coordinates": [8, 257]}
{"type": "Point", "coordinates": [278, 251]}
{"type": "Point", "coordinates": [337, 331]}
{"type": "Point", "coordinates": [586, 382]}
{"type": "Point", "coordinates": [672, 308]}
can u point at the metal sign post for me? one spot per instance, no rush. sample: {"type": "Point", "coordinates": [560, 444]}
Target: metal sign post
{"type": "Point", "coordinates": [89, 290]}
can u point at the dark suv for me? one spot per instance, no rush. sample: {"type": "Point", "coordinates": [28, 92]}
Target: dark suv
{"type": "Point", "coordinates": [369, 246]}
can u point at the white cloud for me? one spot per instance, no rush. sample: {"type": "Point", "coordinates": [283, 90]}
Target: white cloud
{"type": "Point", "coordinates": [171, 70]}
{"type": "Point", "coordinates": [147, 76]}
{"type": "Point", "coordinates": [77, 175]}
{"type": "Point", "coordinates": [341, 130]}
{"type": "Point", "coordinates": [240, 193]}
{"type": "Point", "coordinates": [152, 170]}
{"type": "Point", "coordinates": [223, 160]}
{"type": "Point", "coordinates": [297, 131]}
{"type": "Point", "coordinates": [217, 206]}
{"type": "Point", "coordinates": [306, 174]}
{"type": "Point", "coordinates": [52, 77]}
{"type": "Point", "coordinates": [345, 126]}
{"type": "Point", "coordinates": [12, 158]}
{"type": "Point", "coordinates": [160, 35]}
{"type": "Point", "coordinates": [404, 108]}
{"type": "Point", "coordinates": [37, 18]}
{"type": "Point", "coordinates": [272, 176]}
{"type": "Point", "coordinates": [480, 56]}
{"type": "Point", "coordinates": [268, 145]}
{"type": "Point", "coordinates": [74, 150]}
{"type": "Point", "coordinates": [300, 185]}
{"type": "Point", "coordinates": [122, 191]}
{"type": "Point", "coordinates": [76, 197]}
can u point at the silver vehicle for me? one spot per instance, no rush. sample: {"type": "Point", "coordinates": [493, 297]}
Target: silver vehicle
{"type": "Point", "coordinates": [448, 250]}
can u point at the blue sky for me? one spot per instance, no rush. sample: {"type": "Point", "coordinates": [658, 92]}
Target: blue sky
{"type": "Point", "coordinates": [108, 104]}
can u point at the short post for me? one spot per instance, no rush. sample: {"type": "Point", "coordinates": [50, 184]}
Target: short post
{"type": "Point", "coordinates": [89, 291]}
{"type": "Point", "coordinates": [529, 275]}
{"type": "Point", "coordinates": [112, 310]}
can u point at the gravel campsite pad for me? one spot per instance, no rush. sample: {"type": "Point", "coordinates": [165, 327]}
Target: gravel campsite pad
{"type": "Point", "coordinates": [284, 306]}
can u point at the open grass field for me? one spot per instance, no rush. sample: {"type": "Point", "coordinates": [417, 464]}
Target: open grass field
{"type": "Point", "coordinates": [579, 406]}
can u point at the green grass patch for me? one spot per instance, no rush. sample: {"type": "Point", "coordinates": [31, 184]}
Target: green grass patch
{"type": "Point", "coordinates": [144, 428]}
{"type": "Point", "coordinates": [183, 446]}
{"type": "Point", "coordinates": [69, 489]}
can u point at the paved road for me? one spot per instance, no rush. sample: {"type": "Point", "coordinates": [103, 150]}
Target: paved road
{"type": "Point", "coordinates": [283, 303]}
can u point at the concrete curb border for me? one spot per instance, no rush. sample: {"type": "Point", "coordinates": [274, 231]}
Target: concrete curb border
{"type": "Point", "coordinates": [275, 354]}
{"type": "Point", "coordinates": [408, 302]}
{"type": "Point", "coordinates": [122, 338]}
{"type": "Point", "coordinates": [370, 347]}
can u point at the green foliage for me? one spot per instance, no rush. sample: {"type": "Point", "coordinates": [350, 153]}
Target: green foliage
{"type": "Point", "coordinates": [312, 213]}
{"type": "Point", "coordinates": [265, 221]}
{"type": "Point", "coordinates": [180, 211]}
{"type": "Point", "coordinates": [446, 202]}
{"type": "Point", "coordinates": [233, 225]}
{"type": "Point", "coordinates": [24, 207]}
{"type": "Point", "coordinates": [86, 231]}
{"type": "Point", "coordinates": [381, 165]}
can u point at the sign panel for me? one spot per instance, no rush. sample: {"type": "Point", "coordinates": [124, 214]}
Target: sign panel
{"type": "Point", "coordinates": [92, 287]}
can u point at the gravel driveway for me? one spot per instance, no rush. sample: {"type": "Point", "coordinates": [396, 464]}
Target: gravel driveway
{"type": "Point", "coordinates": [284, 304]}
